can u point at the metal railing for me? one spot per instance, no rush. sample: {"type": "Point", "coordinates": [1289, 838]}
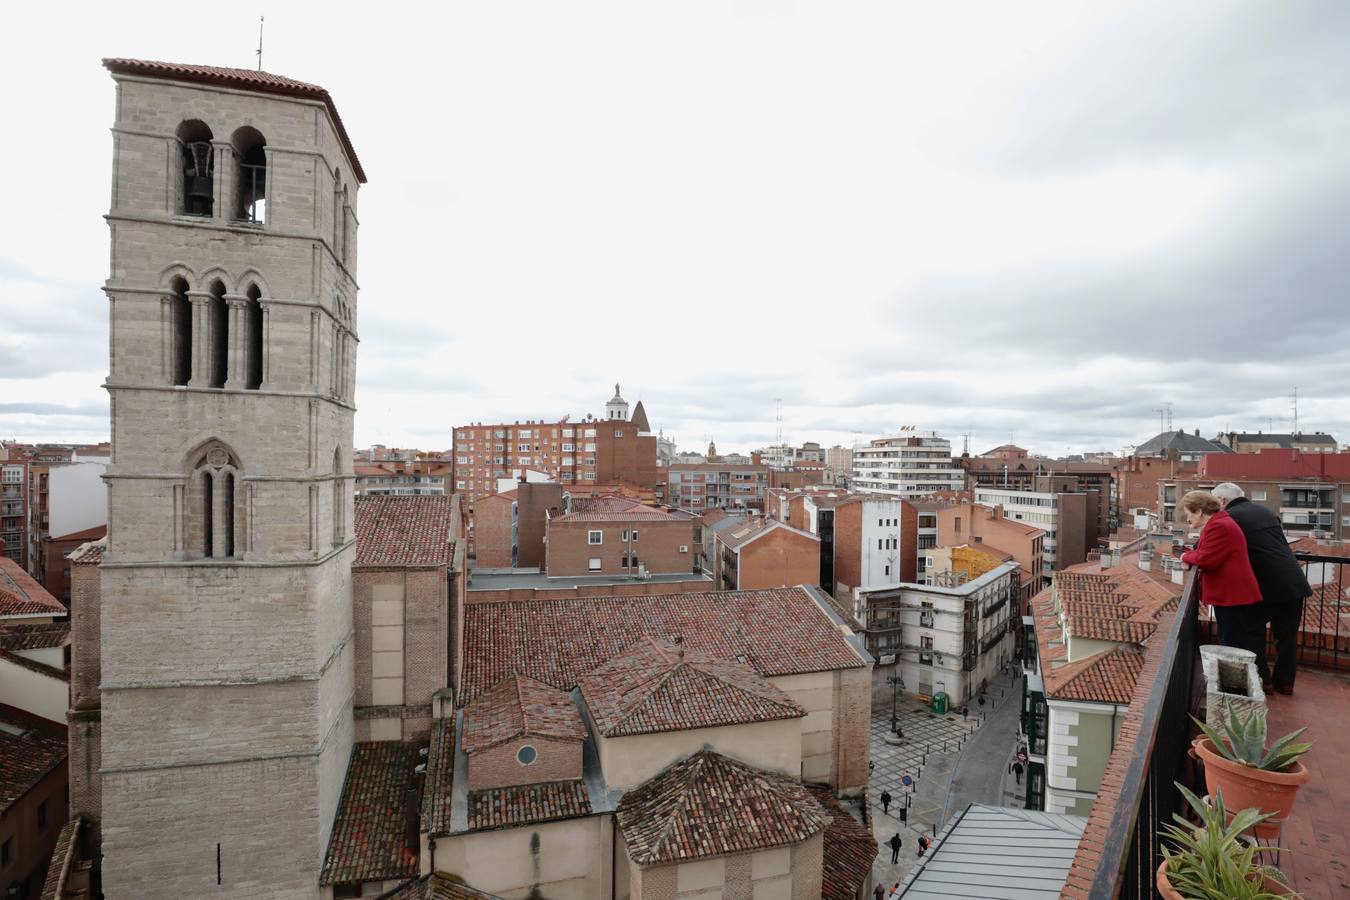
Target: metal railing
{"type": "Point", "coordinates": [1156, 754]}
{"type": "Point", "coordinates": [1147, 800]}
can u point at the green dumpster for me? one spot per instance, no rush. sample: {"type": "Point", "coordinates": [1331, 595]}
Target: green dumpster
{"type": "Point", "coordinates": [939, 703]}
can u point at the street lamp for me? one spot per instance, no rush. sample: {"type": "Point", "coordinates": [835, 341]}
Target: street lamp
{"type": "Point", "coordinates": [896, 682]}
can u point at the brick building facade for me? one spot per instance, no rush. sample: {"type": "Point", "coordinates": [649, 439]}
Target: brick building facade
{"type": "Point", "coordinates": [589, 450]}
{"type": "Point", "coordinates": [716, 485]}
{"type": "Point", "coordinates": [765, 553]}
{"type": "Point", "coordinates": [613, 536]}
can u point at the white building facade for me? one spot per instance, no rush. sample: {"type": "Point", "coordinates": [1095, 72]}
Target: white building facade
{"type": "Point", "coordinates": [906, 465]}
{"type": "Point", "coordinates": [1033, 507]}
{"type": "Point", "coordinates": [939, 639]}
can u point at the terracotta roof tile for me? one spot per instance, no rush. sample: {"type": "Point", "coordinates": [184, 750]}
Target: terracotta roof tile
{"type": "Point", "coordinates": [440, 779]}
{"type": "Point", "coordinates": [708, 805]}
{"type": "Point", "coordinates": [436, 886]}
{"type": "Point", "coordinates": [614, 509]}
{"type": "Point", "coordinates": [520, 706]}
{"type": "Point", "coordinates": [240, 79]}
{"type": "Point", "coordinates": [779, 632]}
{"type": "Point", "coordinates": [90, 554]}
{"type": "Point", "coordinates": [528, 804]}
{"type": "Point", "coordinates": [369, 831]}
{"type": "Point", "coordinates": [850, 849]}
{"type": "Point", "coordinates": [21, 636]}
{"type": "Point", "coordinates": [757, 526]}
{"type": "Point", "coordinates": [30, 747]}
{"type": "Point", "coordinates": [88, 534]}
{"type": "Point", "coordinates": [64, 855]}
{"type": "Point", "coordinates": [404, 531]}
{"type": "Point", "coordinates": [20, 595]}
{"type": "Point", "coordinates": [1107, 677]}
{"type": "Point", "coordinates": [655, 686]}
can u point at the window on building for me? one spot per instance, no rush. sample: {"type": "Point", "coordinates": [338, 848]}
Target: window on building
{"type": "Point", "coordinates": [351, 889]}
{"type": "Point", "coordinates": [180, 333]}
{"type": "Point", "coordinates": [1258, 495]}
{"type": "Point", "coordinates": [878, 543]}
{"type": "Point", "coordinates": [42, 815]}
{"type": "Point", "coordinates": [5, 852]}
{"type": "Point", "coordinates": [218, 314]}
{"type": "Point", "coordinates": [595, 538]}
{"type": "Point", "coordinates": [253, 332]}
{"type": "Point", "coordinates": [197, 191]}
{"type": "Point", "coordinates": [526, 755]}
{"type": "Point", "coordinates": [594, 565]}
{"type": "Point", "coordinates": [250, 175]}
{"type": "Point", "coordinates": [888, 570]}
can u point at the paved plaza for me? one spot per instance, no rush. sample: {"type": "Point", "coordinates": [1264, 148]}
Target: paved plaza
{"type": "Point", "coordinates": [950, 760]}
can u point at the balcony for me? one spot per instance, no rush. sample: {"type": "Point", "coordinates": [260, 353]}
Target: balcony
{"type": "Point", "coordinates": [1119, 852]}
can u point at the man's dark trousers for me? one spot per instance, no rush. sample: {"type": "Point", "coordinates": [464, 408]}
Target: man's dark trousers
{"type": "Point", "coordinates": [1284, 620]}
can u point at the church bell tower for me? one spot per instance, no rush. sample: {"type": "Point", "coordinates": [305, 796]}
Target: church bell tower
{"type": "Point", "coordinates": [226, 600]}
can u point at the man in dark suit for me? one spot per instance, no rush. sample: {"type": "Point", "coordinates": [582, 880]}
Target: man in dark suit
{"type": "Point", "coordinates": [1283, 585]}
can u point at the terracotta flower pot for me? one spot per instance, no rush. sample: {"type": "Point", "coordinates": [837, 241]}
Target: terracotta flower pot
{"type": "Point", "coordinates": [1245, 787]}
{"type": "Point", "coordinates": [1269, 885]}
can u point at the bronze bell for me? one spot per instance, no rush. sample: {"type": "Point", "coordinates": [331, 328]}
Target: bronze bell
{"type": "Point", "coordinates": [199, 187]}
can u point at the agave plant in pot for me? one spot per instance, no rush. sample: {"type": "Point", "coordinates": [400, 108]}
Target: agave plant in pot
{"type": "Point", "coordinates": [1210, 860]}
{"type": "Point", "coordinates": [1250, 774]}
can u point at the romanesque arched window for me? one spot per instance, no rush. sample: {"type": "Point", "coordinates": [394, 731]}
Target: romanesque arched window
{"type": "Point", "coordinates": [253, 342]}
{"type": "Point", "coordinates": [337, 211]}
{"type": "Point", "coordinates": [213, 502]}
{"type": "Point", "coordinates": [218, 312]}
{"type": "Point", "coordinates": [250, 175]}
{"type": "Point", "coordinates": [180, 332]}
{"type": "Point", "coordinates": [196, 195]}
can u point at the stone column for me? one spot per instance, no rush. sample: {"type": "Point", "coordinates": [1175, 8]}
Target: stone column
{"type": "Point", "coordinates": [221, 520]}
{"type": "Point", "coordinates": [222, 210]}
{"type": "Point", "coordinates": [266, 343]}
{"type": "Point", "coordinates": [201, 339]}
{"type": "Point", "coordinates": [236, 367]}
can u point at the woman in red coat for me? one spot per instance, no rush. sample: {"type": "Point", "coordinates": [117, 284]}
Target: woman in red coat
{"type": "Point", "coordinates": [1226, 581]}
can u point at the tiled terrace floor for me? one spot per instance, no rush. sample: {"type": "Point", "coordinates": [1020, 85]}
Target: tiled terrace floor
{"type": "Point", "coordinates": [1318, 831]}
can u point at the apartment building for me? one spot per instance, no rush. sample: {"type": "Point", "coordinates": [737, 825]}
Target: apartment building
{"type": "Point", "coordinates": [14, 503]}
{"type": "Point", "coordinates": [762, 553]}
{"type": "Point", "coordinates": [942, 639]}
{"type": "Point", "coordinates": [716, 485]}
{"type": "Point", "coordinates": [590, 450]}
{"type": "Point", "coordinates": [988, 526]}
{"type": "Point", "coordinates": [403, 477]}
{"type": "Point", "coordinates": [613, 535]}
{"type": "Point", "coordinates": [907, 465]}
{"type": "Point", "coordinates": [866, 540]}
{"type": "Point", "coordinates": [1066, 516]}
{"type": "Point", "coordinates": [1246, 442]}
{"type": "Point", "coordinates": [1010, 466]}
{"type": "Point", "coordinates": [1310, 492]}
{"type": "Point", "coordinates": [839, 460]}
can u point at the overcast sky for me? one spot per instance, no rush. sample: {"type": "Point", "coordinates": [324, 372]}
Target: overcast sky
{"type": "Point", "coordinates": [1043, 220]}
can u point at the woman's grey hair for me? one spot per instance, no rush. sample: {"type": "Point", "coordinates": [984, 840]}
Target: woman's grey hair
{"type": "Point", "coordinates": [1227, 491]}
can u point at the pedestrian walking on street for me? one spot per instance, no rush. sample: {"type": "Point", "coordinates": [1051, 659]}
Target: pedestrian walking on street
{"type": "Point", "coordinates": [1017, 770]}
{"type": "Point", "coordinates": [879, 892]}
{"type": "Point", "coordinates": [965, 713]}
{"type": "Point", "coordinates": [1283, 585]}
{"type": "Point", "coordinates": [895, 847]}
{"type": "Point", "coordinates": [895, 891]}
{"type": "Point", "coordinates": [886, 803]}
{"type": "Point", "coordinates": [923, 844]}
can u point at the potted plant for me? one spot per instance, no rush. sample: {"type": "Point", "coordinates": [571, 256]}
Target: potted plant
{"type": "Point", "coordinates": [1210, 861]}
{"type": "Point", "coordinates": [1238, 763]}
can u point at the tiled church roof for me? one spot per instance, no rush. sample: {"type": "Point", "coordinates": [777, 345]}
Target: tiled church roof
{"type": "Point", "coordinates": [369, 840]}
{"type": "Point", "coordinates": [528, 804]}
{"type": "Point", "coordinates": [404, 531]}
{"type": "Point", "coordinates": [779, 632]}
{"type": "Point", "coordinates": [519, 706]}
{"type": "Point", "coordinates": [850, 849]}
{"type": "Point", "coordinates": [708, 805]}
{"type": "Point", "coordinates": [655, 686]}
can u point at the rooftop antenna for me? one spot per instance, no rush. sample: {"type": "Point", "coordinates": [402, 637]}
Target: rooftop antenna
{"type": "Point", "coordinates": [260, 32]}
{"type": "Point", "coordinates": [1293, 400]}
{"type": "Point", "coordinates": [779, 414]}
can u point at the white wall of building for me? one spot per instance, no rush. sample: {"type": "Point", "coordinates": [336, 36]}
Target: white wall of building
{"type": "Point", "coordinates": [881, 542]}
{"type": "Point", "coordinates": [77, 498]}
{"type": "Point", "coordinates": [906, 465]}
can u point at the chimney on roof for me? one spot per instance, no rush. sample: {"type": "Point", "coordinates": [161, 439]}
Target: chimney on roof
{"type": "Point", "coordinates": [1146, 559]}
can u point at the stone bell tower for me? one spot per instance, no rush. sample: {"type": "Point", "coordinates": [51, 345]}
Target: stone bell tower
{"type": "Point", "coordinates": [226, 602]}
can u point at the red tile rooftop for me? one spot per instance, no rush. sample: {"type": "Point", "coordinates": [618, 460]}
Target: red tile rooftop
{"type": "Point", "coordinates": [20, 595]}
{"type": "Point", "coordinates": [393, 531]}
{"type": "Point", "coordinates": [30, 747]}
{"type": "Point", "coordinates": [369, 839]}
{"type": "Point", "coordinates": [528, 804]}
{"type": "Point", "coordinates": [783, 631]}
{"type": "Point", "coordinates": [655, 686]}
{"type": "Point", "coordinates": [519, 706]}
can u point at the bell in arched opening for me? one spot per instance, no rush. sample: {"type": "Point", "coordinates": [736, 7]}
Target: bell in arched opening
{"type": "Point", "coordinates": [198, 189]}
